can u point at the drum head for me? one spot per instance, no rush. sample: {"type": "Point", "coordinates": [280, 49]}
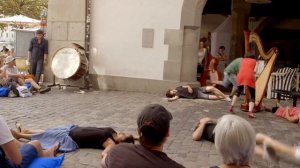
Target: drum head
{"type": "Point", "coordinates": [65, 63]}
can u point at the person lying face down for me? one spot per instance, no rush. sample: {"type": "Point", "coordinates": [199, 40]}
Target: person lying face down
{"type": "Point", "coordinates": [72, 137]}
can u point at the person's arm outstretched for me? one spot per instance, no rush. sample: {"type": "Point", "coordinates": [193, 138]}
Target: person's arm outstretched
{"type": "Point", "coordinates": [173, 98]}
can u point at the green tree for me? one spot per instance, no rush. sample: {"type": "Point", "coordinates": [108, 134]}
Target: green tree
{"type": "Point", "coordinates": [30, 8]}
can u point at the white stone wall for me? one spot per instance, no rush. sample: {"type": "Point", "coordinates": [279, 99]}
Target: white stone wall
{"type": "Point", "coordinates": [66, 25]}
{"type": "Point", "coordinates": [210, 22]}
{"type": "Point", "coordinates": [117, 33]}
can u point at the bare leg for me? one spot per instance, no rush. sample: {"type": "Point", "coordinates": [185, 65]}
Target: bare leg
{"type": "Point", "coordinates": [18, 135]}
{"type": "Point", "coordinates": [215, 91]}
{"type": "Point", "coordinates": [33, 83]}
{"type": "Point", "coordinates": [234, 99]}
{"type": "Point", "coordinates": [21, 81]}
{"type": "Point", "coordinates": [213, 97]}
{"type": "Point", "coordinates": [233, 91]}
{"type": "Point", "coordinates": [45, 153]}
{"type": "Point", "coordinates": [250, 112]}
{"type": "Point", "coordinates": [217, 82]}
{"type": "Point", "coordinates": [27, 131]}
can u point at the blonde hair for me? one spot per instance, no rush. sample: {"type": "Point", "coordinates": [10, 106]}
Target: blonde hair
{"type": "Point", "coordinates": [235, 140]}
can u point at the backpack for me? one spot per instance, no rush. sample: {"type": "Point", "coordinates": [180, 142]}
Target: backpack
{"type": "Point", "coordinates": [4, 91]}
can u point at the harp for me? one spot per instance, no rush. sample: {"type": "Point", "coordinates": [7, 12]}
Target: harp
{"type": "Point", "coordinates": [262, 80]}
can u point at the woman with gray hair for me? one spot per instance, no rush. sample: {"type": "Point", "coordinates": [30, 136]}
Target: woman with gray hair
{"type": "Point", "coordinates": [235, 141]}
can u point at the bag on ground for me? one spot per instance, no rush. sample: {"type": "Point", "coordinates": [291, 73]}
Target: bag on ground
{"type": "Point", "coordinates": [24, 91]}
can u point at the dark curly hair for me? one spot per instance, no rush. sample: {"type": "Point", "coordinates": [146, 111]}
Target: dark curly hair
{"type": "Point", "coordinates": [129, 139]}
{"type": "Point", "coordinates": [39, 32]}
{"type": "Point", "coordinates": [168, 94]}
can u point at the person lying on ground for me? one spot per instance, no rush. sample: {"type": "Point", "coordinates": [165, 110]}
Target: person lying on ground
{"type": "Point", "coordinates": [205, 131]}
{"type": "Point", "coordinates": [13, 75]}
{"type": "Point", "coordinates": [189, 92]}
{"type": "Point", "coordinates": [72, 137]}
{"type": "Point", "coordinates": [14, 154]}
{"type": "Point", "coordinates": [272, 147]}
{"type": "Point", "coordinates": [292, 114]}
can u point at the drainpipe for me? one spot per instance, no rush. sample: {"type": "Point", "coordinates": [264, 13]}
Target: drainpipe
{"type": "Point", "coordinates": [87, 81]}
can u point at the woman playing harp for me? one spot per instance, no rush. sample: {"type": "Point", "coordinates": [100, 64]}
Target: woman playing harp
{"type": "Point", "coordinates": [262, 80]}
{"type": "Point", "coordinates": [246, 78]}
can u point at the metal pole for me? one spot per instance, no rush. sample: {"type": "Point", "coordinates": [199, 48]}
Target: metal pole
{"type": "Point", "coordinates": [87, 82]}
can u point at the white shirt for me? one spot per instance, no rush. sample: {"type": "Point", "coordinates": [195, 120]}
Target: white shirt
{"type": "Point", "coordinates": [5, 134]}
{"type": "Point", "coordinates": [12, 70]}
{"type": "Point", "coordinates": [201, 55]}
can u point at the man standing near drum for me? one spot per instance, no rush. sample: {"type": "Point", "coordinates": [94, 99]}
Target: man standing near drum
{"type": "Point", "coordinates": [37, 54]}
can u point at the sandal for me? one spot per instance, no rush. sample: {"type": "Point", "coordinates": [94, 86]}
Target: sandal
{"type": "Point", "coordinates": [251, 115]}
{"type": "Point", "coordinates": [230, 110]}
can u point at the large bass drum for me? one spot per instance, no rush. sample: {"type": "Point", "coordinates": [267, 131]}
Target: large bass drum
{"type": "Point", "coordinates": [69, 63]}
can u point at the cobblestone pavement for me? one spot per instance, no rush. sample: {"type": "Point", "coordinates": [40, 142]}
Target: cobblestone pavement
{"type": "Point", "coordinates": [119, 110]}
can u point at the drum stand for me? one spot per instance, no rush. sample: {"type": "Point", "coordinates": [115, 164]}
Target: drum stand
{"type": "Point", "coordinates": [60, 86]}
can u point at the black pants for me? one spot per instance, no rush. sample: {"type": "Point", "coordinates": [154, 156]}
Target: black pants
{"type": "Point", "coordinates": [251, 90]}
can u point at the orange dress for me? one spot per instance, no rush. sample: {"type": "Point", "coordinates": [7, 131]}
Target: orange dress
{"type": "Point", "coordinates": [246, 75]}
{"type": "Point", "coordinates": [293, 111]}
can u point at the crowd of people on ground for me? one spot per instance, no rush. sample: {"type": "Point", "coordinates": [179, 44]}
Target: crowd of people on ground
{"type": "Point", "coordinates": [234, 137]}
{"type": "Point", "coordinates": [12, 80]}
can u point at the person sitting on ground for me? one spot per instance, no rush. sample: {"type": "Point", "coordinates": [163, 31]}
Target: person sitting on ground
{"type": "Point", "coordinates": [72, 137]}
{"type": "Point", "coordinates": [272, 147]}
{"type": "Point", "coordinates": [4, 83]}
{"type": "Point", "coordinates": [14, 154]}
{"type": "Point", "coordinates": [153, 129]}
{"type": "Point", "coordinates": [189, 92]}
{"type": "Point", "coordinates": [290, 113]}
{"type": "Point", "coordinates": [13, 75]}
{"type": "Point", "coordinates": [234, 141]}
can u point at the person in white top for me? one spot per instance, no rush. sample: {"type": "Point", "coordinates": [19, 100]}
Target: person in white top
{"type": "Point", "coordinates": [202, 53]}
{"type": "Point", "coordinates": [13, 75]}
{"type": "Point", "coordinates": [13, 153]}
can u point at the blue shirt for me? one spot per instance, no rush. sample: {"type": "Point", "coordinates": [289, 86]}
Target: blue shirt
{"type": "Point", "coordinates": [38, 49]}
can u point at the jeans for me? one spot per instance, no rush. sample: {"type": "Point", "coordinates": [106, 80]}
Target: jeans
{"type": "Point", "coordinates": [36, 68]}
{"type": "Point", "coordinates": [229, 79]}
